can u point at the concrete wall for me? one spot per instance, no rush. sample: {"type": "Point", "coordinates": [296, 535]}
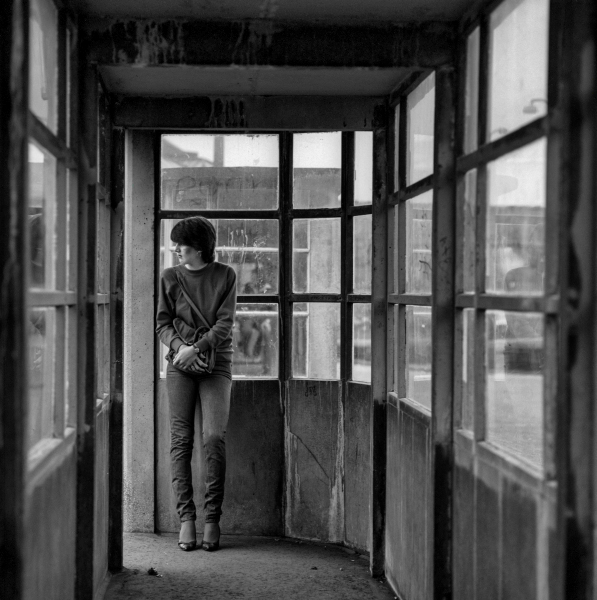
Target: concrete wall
{"type": "Point", "coordinates": [50, 515]}
{"type": "Point", "coordinates": [409, 498]}
{"type": "Point", "coordinates": [504, 521]}
{"type": "Point", "coordinates": [314, 460]}
{"type": "Point", "coordinates": [357, 464]}
{"type": "Point", "coordinates": [138, 503]}
{"type": "Point", "coordinates": [101, 521]}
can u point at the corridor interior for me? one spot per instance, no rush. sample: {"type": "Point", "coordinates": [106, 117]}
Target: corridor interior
{"type": "Point", "coordinates": [393, 183]}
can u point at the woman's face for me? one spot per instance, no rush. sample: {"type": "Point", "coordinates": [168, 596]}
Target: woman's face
{"type": "Point", "coordinates": [186, 254]}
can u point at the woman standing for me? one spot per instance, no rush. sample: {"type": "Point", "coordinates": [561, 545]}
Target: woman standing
{"type": "Point", "coordinates": [198, 295]}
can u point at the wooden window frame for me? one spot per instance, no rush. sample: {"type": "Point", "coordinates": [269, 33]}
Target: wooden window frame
{"type": "Point", "coordinates": [548, 304]}
{"type": "Point", "coordinates": [397, 298]}
{"type": "Point", "coordinates": [64, 298]}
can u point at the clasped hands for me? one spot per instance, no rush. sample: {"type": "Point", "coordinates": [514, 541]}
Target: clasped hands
{"type": "Point", "coordinates": [189, 360]}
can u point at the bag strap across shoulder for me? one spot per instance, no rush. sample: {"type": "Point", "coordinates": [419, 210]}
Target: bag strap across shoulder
{"type": "Point", "coordinates": [190, 301]}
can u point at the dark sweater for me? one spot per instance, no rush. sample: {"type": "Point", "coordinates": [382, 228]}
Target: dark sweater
{"type": "Point", "coordinates": [213, 290]}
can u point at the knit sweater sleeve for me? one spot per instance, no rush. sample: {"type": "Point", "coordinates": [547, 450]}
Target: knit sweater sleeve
{"type": "Point", "coordinates": [165, 316]}
{"type": "Point", "coordinates": [224, 316]}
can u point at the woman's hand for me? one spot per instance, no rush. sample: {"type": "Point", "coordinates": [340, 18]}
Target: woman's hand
{"type": "Point", "coordinates": [189, 360]}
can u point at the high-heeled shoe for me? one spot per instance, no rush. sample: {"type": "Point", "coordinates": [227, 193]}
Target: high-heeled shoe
{"type": "Point", "coordinates": [188, 546]}
{"type": "Point", "coordinates": [211, 546]}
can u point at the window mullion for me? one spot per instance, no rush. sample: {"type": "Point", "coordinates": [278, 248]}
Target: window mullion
{"type": "Point", "coordinates": [346, 257]}
{"type": "Point", "coordinates": [285, 245]}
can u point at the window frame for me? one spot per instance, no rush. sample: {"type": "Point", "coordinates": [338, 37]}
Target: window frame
{"type": "Point", "coordinates": [480, 301]}
{"type": "Point", "coordinates": [398, 299]}
{"type": "Point", "coordinates": [64, 295]}
{"type": "Point", "coordinates": [285, 214]}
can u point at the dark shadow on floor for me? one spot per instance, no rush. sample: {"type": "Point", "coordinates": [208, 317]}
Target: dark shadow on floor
{"type": "Point", "coordinates": [244, 567]}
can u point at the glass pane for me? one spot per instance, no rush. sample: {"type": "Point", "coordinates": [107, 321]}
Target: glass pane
{"type": "Point", "coordinates": [468, 369]}
{"type": "Point", "coordinates": [249, 246]}
{"type": "Point", "coordinates": [255, 341]}
{"type": "Point", "coordinates": [518, 35]}
{"type": "Point", "coordinates": [418, 244]}
{"type": "Point", "coordinates": [42, 348]}
{"type": "Point", "coordinates": [469, 232]}
{"type": "Point", "coordinates": [515, 251]}
{"type": "Point", "coordinates": [393, 350]}
{"type": "Point", "coordinates": [471, 108]}
{"type": "Point", "coordinates": [363, 167]}
{"type": "Point", "coordinates": [317, 173]}
{"type": "Point", "coordinates": [514, 393]}
{"type": "Point", "coordinates": [361, 342]}
{"type": "Point", "coordinates": [316, 340]}
{"type": "Point", "coordinates": [396, 147]}
{"type": "Point", "coordinates": [418, 354]}
{"type": "Point", "coordinates": [362, 254]}
{"type": "Point", "coordinates": [42, 217]}
{"type": "Point", "coordinates": [236, 171]}
{"type": "Point", "coordinates": [316, 256]}
{"type": "Point", "coordinates": [71, 367]}
{"type": "Point", "coordinates": [43, 62]}
{"type": "Point", "coordinates": [420, 124]}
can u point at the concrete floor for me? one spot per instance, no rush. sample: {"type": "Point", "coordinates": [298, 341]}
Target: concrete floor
{"type": "Point", "coordinates": [244, 567]}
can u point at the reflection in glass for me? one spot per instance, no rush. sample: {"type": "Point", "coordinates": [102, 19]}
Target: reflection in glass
{"type": "Point", "coordinates": [418, 354]}
{"type": "Point", "coordinates": [316, 256]}
{"type": "Point", "coordinates": [43, 62]}
{"type": "Point", "coordinates": [468, 369]}
{"type": "Point", "coordinates": [514, 388]}
{"type": "Point", "coordinates": [249, 246]}
{"type": "Point", "coordinates": [317, 172]}
{"type": "Point", "coordinates": [468, 231]}
{"type": "Point", "coordinates": [518, 33]}
{"type": "Point", "coordinates": [471, 106]}
{"type": "Point", "coordinates": [363, 167]}
{"type": "Point", "coordinates": [316, 340]}
{"type": "Point", "coordinates": [206, 171]}
{"type": "Point", "coordinates": [515, 251]}
{"type": "Point", "coordinates": [361, 342]}
{"type": "Point", "coordinates": [420, 124]}
{"type": "Point", "coordinates": [418, 244]}
{"type": "Point", "coordinates": [42, 217]}
{"type": "Point", "coordinates": [255, 341]}
{"type": "Point", "coordinates": [362, 254]}
{"type": "Point", "coordinates": [42, 345]}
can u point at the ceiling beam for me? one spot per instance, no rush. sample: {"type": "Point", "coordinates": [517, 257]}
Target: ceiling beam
{"type": "Point", "coordinates": [146, 42]}
{"type": "Point", "coordinates": [315, 113]}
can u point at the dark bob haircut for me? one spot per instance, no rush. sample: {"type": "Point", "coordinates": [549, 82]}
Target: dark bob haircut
{"type": "Point", "coordinates": [198, 233]}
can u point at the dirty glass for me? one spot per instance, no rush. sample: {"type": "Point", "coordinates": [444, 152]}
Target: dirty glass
{"type": "Point", "coordinates": [43, 343]}
{"type": "Point", "coordinates": [206, 171]}
{"type": "Point", "coordinates": [515, 236]}
{"type": "Point", "coordinates": [361, 342]}
{"type": "Point", "coordinates": [518, 33]}
{"type": "Point", "coordinates": [468, 231]}
{"type": "Point", "coordinates": [418, 354]}
{"type": "Point", "coordinates": [467, 409]}
{"type": "Point", "coordinates": [316, 256]}
{"type": "Point", "coordinates": [471, 104]}
{"type": "Point", "coordinates": [362, 254]}
{"type": "Point", "coordinates": [514, 383]}
{"type": "Point", "coordinates": [317, 170]}
{"type": "Point", "coordinates": [420, 109]}
{"type": "Point", "coordinates": [363, 167]}
{"type": "Point", "coordinates": [43, 62]}
{"type": "Point", "coordinates": [418, 244]}
{"type": "Point", "coordinates": [255, 341]}
{"type": "Point", "coordinates": [249, 246]}
{"type": "Point", "coordinates": [42, 217]}
{"type": "Point", "coordinates": [316, 340]}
